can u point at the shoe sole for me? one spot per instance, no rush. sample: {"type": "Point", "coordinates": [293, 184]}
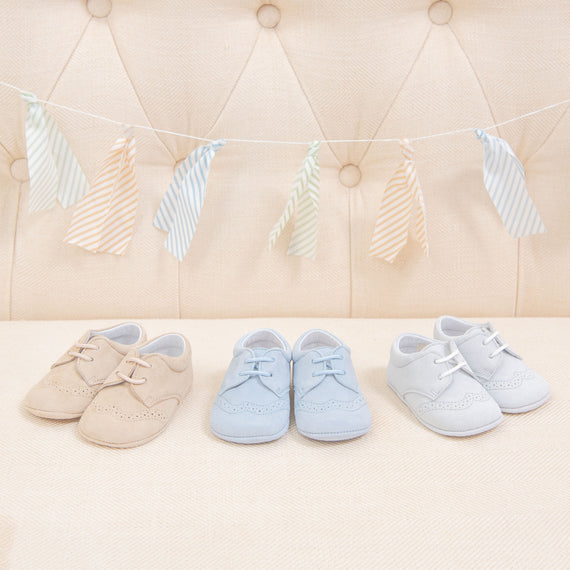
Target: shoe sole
{"type": "Point", "coordinates": [121, 445]}
{"type": "Point", "coordinates": [251, 439]}
{"type": "Point", "coordinates": [52, 415]}
{"type": "Point", "coordinates": [528, 407]}
{"type": "Point", "coordinates": [335, 436]}
{"type": "Point", "coordinates": [467, 433]}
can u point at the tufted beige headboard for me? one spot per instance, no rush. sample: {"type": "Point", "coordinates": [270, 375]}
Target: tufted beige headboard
{"type": "Point", "coordinates": [295, 70]}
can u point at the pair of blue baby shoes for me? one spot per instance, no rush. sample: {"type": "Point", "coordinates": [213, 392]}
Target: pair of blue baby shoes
{"type": "Point", "coordinates": [253, 404]}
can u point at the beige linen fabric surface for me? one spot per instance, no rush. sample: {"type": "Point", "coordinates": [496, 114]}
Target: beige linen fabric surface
{"type": "Point", "coordinates": [401, 496]}
{"type": "Point", "coordinates": [332, 70]}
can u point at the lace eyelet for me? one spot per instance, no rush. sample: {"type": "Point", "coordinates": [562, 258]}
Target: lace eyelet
{"type": "Point", "coordinates": [435, 361]}
{"type": "Point", "coordinates": [440, 377]}
{"type": "Point", "coordinates": [91, 359]}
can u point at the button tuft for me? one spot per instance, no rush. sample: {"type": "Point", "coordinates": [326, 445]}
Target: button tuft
{"type": "Point", "coordinates": [349, 175]}
{"type": "Point", "coordinates": [268, 15]}
{"type": "Point", "coordinates": [99, 8]}
{"type": "Point", "coordinates": [440, 12]}
{"type": "Point", "coordinates": [19, 170]}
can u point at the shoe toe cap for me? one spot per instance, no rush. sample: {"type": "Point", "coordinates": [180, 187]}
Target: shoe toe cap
{"type": "Point", "coordinates": [111, 426]}
{"type": "Point", "coordinates": [248, 424]}
{"type": "Point", "coordinates": [465, 418]}
{"type": "Point", "coordinates": [522, 392]}
{"type": "Point", "coordinates": [333, 424]}
{"type": "Point", "coordinates": [53, 400]}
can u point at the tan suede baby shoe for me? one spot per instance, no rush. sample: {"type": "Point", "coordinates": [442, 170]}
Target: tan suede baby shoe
{"type": "Point", "coordinates": [140, 397]}
{"type": "Point", "coordinates": [72, 382]}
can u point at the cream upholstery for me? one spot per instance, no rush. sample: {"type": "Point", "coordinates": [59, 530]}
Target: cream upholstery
{"type": "Point", "coordinates": [293, 71]}
{"type": "Point", "coordinates": [399, 497]}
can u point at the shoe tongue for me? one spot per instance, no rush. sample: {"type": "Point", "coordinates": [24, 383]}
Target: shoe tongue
{"type": "Point", "coordinates": [86, 337]}
{"type": "Point", "coordinates": [324, 350]}
{"type": "Point", "coordinates": [487, 328]}
{"type": "Point", "coordinates": [442, 348]}
{"type": "Point", "coordinates": [258, 351]}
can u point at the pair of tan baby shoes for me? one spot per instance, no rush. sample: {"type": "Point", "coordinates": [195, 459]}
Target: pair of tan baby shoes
{"type": "Point", "coordinates": [124, 388]}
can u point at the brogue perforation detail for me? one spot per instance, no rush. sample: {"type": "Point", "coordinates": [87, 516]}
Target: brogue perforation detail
{"type": "Point", "coordinates": [252, 407]}
{"type": "Point", "coordinates": [77, 391]}
{"type": "Point", "coordinates": [118, 414]}
{"type": "Point", "coordinates": [518, 378]}
{"type": "Point", "coordinates": [318, 408]}
{"type": "Point", "coordinates": [462, 404]}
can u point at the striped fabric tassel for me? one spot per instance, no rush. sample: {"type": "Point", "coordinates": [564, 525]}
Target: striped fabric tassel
{"type": "Point", "coordinates": [304, 198]}
{"type": "Point", "coordinates": [504, 179]}
{"type": "Point", "coordinates": [180, 207]}
{"type": "Point", "coordinates": [391, 229]}
{"type": "Point", "coordinates": [103, 220]}
{"type": "Point", "coordinates": [54, 171]}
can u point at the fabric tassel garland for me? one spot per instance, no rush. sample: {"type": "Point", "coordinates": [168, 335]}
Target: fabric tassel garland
{"type": "Point", "coordinates": [391, 229]}
{"type": "Point", "coordinates": [103, 220]}
{"type": "Point", "coordinates": [180, 207]}
{"type": "Point", "coordinates": [304, 198]}
{"type": "Point", "coordinates": [54, 171]}
{"type": "Point", "coordinates": [504, 178]}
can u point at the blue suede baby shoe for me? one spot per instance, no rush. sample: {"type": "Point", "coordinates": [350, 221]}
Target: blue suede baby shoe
{"type": "Point", "coordinates": [252, 405]}
{"type": "Point", "coordinates": [329, 405]}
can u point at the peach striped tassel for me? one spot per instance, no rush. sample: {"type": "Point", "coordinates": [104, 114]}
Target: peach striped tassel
{"type": "Point", "coordinates": [103, 219]}
{"type": "Point", "coordinates": [391, 230]}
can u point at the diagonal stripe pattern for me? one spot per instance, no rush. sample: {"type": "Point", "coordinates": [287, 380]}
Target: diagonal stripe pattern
{"type": "Point", "coordinates": [304, 200]}
{"type": "Point", "coordinates": [103, 220]}
{"type": "Point", "coordinates": [391, 229]}
{"type": "Point", "coordinates": [180, 207]}
{"type": "Point", "coordinates": [54, 171]}
{"type": "Point", "coordinates": [504, 178]}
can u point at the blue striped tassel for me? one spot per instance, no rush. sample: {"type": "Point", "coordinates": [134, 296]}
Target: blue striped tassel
{"type": "Point", "coordinates": [180, 207]}
{"type": "Point", "coordinates": [504, 179]}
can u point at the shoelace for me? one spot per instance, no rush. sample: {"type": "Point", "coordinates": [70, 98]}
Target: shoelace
{"type": "Point", "coordinates": [81, 355]}
{"type": "Point", "coordinates": [328, 371]}
{"type": "Point", "coordinates": [460, 364]}
{"type": "Point", "coordinates": [134, 360]}
{"type": "Point", "coordinates": [255, 371]}
{"type": "Point", "coordinates": [500, 349]}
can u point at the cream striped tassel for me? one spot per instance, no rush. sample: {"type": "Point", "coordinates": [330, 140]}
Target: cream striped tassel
{"type": "Point", "coordinates": [103, 220]}
{"type": "Point", "coordinates": [304, 198]}
{"type": "Point", "coordinates": [391, 230]}
{"type": "Point", "coordinates": [54, 171]}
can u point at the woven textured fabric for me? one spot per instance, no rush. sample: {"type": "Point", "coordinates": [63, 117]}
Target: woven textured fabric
{"type": "Point", "coordinates": [399, 497]}
{"type": "Point", "coordinates": [292, 71]}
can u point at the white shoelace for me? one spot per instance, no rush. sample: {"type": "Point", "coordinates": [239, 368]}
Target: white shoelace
{"type": "Point", "coordinates": [460, 364]}
{"type": "Point", "coordinates": [81, 355]}
{"type": "Point", "coordinates": [140, 362]}
{"type": "Point", "coordinates": [500, 349]}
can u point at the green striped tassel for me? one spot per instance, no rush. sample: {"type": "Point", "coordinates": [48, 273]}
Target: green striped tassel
{"type": "Point", "coordinates": [304, 199]}
{"type": "Point", "coordinates": [54, 171]}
